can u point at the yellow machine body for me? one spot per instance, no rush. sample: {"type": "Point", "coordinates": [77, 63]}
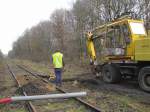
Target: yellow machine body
{"type": "Point", "coordinates": [90, 47]}
{"type": "Point", "coordinates": [136, 49]}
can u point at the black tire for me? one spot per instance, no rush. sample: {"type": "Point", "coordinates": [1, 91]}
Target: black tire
{"type": "Point", "coordinates": [144, 79]}
{"type": "Point", "coordinates": [111, 73]}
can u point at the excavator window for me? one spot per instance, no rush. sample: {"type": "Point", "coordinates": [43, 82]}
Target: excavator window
{"type": "Point", "coordinates": [117, 37]}
{"type": "Point", "coordinates": [126, 33]}
{"type": "Point", "coordinates": [137, 28]}
{"type": "Point", "coordinates": [98, 44]}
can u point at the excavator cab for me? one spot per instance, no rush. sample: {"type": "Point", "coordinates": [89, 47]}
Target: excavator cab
{"type": "Point", "coordinates": [116, 40]}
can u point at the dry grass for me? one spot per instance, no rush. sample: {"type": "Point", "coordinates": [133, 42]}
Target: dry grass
{"type": "Point", "coordinates": [69, 71]}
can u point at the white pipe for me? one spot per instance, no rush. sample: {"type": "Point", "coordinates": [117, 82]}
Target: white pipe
{"type": "Point", "coordinates": [48, 96]}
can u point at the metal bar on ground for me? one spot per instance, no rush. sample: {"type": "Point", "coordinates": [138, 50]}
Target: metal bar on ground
{"type": "Point", "coordinates": [42, 97]}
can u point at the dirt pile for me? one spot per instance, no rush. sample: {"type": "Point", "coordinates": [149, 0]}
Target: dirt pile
{"type": "Point", "coordinates": [36, 88]}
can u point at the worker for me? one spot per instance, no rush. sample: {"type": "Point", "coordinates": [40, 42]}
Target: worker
{"type": "Point", "coordinates": [58, 65]}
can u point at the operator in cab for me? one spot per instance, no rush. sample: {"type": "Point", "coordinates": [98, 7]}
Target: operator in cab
{"type": "Point", "coordinates": [58, 64]}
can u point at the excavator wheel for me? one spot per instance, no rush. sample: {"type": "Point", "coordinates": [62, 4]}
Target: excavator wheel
{"type": "Point", "coordinates": [144, 78]}
{"type": "Point", "coordinates": [111, 73]}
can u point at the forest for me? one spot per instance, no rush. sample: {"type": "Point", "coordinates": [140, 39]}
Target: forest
{"type": "Point", "coordinates": [66, 28]}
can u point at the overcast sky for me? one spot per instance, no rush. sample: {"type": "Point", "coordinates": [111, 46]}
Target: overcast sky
{"type": "Point", "coordinates": [18, 15]}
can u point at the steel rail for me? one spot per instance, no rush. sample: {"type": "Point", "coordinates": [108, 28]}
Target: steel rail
{"type": "Point", "coordinates": [92, 107]}
{"type": "Point", "coordinates": [29, 105]}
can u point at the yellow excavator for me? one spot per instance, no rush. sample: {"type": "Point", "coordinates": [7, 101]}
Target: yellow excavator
{"type": "Point", "coordinates": [120, 49]}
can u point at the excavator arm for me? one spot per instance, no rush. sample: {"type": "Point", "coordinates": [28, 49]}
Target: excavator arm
{"type": "Point", "coordinates": [90, 47]}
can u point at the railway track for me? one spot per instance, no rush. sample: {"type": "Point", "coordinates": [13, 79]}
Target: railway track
{"type": "Point", "coordinates": [30, 105]}
{"type": "Point", "coordinates": [101, 98]}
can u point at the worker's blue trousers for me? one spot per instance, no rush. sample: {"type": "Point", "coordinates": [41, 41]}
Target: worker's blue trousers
{"type": "Point", "coordinates": [58, 76]}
